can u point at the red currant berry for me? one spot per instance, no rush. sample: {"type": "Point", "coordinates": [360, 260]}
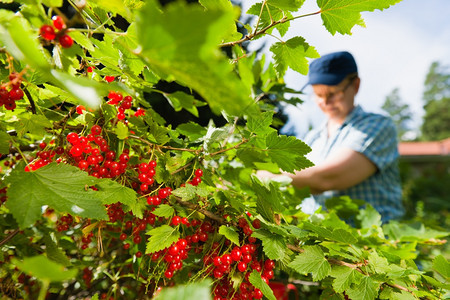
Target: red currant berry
{"type": "Point", "coordinates": [109, 78]}
{"type": "Point", "coordinates": [152, 164]}
{"type": "Point", "coordinates": [58, 22]}
{"type": "Point", "coordinates": [176, 220]}
{"type": "Point", "coordinates": [269, 264]}
{"type": "Point", "coordinates": [168, 274]}
{"type": "Point", "coordinates": [73, 138]}
{"type": "Point", "coordinates": [137, 239]}
{"type": "Point", "coordinates": [236, 254]}
{"type": "Point", "coordinates": [15, 94]}
{"type": "Point", "coordinates": [198, 173]}
{"type": "Point", "coordinates": [65, 41]}
{"type": "Point", "coordinates": [242, 266]}
{"type": "Point", "coordinates": [96, 129]}
{"type": "Point", "coordinates": [123, 236]}
{"type": "Point", "coordinates": [47, 32]}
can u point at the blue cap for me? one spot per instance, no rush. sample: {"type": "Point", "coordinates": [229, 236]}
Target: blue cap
{"type": "Point", "coordinates": [331, 69]}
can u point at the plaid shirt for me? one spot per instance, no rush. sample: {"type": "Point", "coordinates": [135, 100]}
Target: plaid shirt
{"type": "Point", "coordinates": [374, 136]}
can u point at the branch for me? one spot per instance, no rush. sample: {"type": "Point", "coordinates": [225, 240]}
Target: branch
{"type": "Point", "coordinates": [207, 213]}
{"type": "Point", "coordinates": [30, 99]}
{"type": "Point", "coordinates": [10, 236]}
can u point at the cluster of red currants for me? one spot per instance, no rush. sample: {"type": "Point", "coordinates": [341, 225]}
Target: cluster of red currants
{"type": "Point", "coordinates": [64, 223]}
{"type": "Point", "coordinates": [122, 104]}
{"type": "Point", "coordinates": [56, 31]}
{"type": "Point", "coordinates": [9, 98]}
{"type": "Point", "coordinates": [87, 276]}
{"type": "Point", "coordinates": [146, 172]}
{"type": "Point", "coordinates": [43, 157]}
{"type": "Point", "coordinates": [92, 154]}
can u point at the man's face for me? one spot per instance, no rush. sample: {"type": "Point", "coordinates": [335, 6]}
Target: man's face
{"type": "Point", "coordinates": [337, 101]}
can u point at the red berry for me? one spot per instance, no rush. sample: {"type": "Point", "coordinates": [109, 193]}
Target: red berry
{"type": "Point", "coordinates": [176, 220]}
{"type": "Point", "coordinates": [65, 41]}
{"type": "Point", "coordinates": [174, 250]}
{"type": "Point", "coordinates": [256, 223]}
{"type": "Point", "coordinates": [123, 236]}
{"type": "Point", "coordinates": [269, 264]}
{"type": "Point", "coordinates": [47, 32]}
{"type": "Point", "coordinates": [120, 116]}
{"type": "Point", "coordinates": [96, 129]}
{"type": "Point", "coordinates": [109, 78]}
{"type": "Point", "coordinates": [218, 273]}
{"type": "Point", "coordinates": [15, 94]}
{"type": "Point", "coordinates": [80, 109]}
{"type": "Point", "coordinates": [152, 164]}
{"type": "Point", "coordinates": [242, 266]}
{"type": "Point", "coordinates": [90, 69]}
{"type": "Point", "coordinates": [163, 193]}
{"type": "Point", "coordinates": [168, 274]}
{"type": "Point", "coordinates": [236, 254]}
{"type": "Point", "coordinates": [58, 22]}
{"type": "Point", "coordinates": [73, 138]}
{"type": "Point", "coordinates": [257, 294]}
{"type": "Point", "coordinates": [198, 173]}
{"type": "Point", "coordinates": [76, 150]}
{"type": "Point", "coordinates": [137, 239]}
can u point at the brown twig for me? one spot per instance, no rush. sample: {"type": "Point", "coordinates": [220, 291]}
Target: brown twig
{"type": "Point", "coordinates": [205, 212]}
{"type": "Point", "coordinates": [9, 236]}
{"type": "Point", "coordinates": [30, 99]}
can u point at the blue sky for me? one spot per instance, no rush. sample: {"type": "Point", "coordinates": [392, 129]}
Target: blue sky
{"type": "Point", "coordinates": [394, 50]}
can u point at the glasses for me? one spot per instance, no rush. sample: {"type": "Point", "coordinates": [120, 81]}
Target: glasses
{"type": "Point", "coordinates": [338, 94]}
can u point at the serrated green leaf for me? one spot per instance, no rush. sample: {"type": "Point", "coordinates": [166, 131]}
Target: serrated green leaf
{"type": "Point", "coordinates": [110, 192]}
{"type": "Point", "coordinates": [62, 187]}
{"type": "Point", "coordinates": [312, 260]}
{"type": "Point", "coordinates": [380, 264]}
{"type": "Point", "coordinates": [256, 280]}
{"type": "Point", "coordinates": [54, 253]}
{"type": "Point", "coordinates": [292, 54]}
{"type": "Point", "coordinates": [22, 43]}
{"type": "Point", "coordinates": [196, 290]}
{"type": "Point", "coordinates": [230, 233]}
{"type": "Point", "coordinates": [186, 193]}
{"type": "Point", "coordinates": [442, 266]}
{"type": "Point", "coordinates": [160, 238]}
{"type": "Point", "coordinates": [82, 40]}
{"type": "Point", "coordinates": [288, 5]}
{"type": "Point", "coordinates": [260, 124]}
{"type": "Point", "coordinates": [115, 7]}
{"type": "Point", "coordinates": [214, 135]}
{"type": "Point", "coordinates": [174, 51]}
{"type": "Point", "coordinates": [192, 131]}
{"type": "Point", "coordinates": [164, 210]}
{"type": "Point", "coordinates": [274, 246]}
{"type": "Point", "coordinates": [344, 278]}
{"type": "Point", "coordinates": [44, 269]}
{"type": "Point", "coordinates": [341, 16]}
{"type": "Point", "coordinates": [343, 236]}
{"type": "Point", "coordinates": [288, 152]}
{"type": "Point", "coordinates": [272, 197]}
{"type": "Point", "coordinates": [30, 123]}
{"type": "Point", "coordinates": [366, 290]}
{"type": "Point", "coordinates": [369, 217]}
{"type": "Point", "coordinates": [121, 131]}
{"type": "Point", "coordinates": [4, 142]}
{"type": "Point", "coordinates": [180, 100]}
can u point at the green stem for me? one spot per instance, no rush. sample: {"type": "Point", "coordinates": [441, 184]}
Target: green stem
{"type": "Point", "coordinates": [43, 291]}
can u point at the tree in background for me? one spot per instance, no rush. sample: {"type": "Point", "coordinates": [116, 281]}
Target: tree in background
{"type": "Point", "coordinates": [436, 122]}
{"type": "Point", "coordinates": [399, 112]}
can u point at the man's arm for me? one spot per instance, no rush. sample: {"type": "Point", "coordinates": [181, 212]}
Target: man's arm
{"type": "Point", "coordinates": [344, 169]}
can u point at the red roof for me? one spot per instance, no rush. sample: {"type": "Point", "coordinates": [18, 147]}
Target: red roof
{"type": "Point", "coordinates": [425, 148]}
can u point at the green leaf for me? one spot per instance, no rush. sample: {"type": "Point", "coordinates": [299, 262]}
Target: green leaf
{"type": "Point", "coordinates": [60, 186]}
{"type": "Point", "coordinates": [366, 290]}
{"type": "Point", "coordinates": [161, 237]}
{"type": "Point", "coordinates": [4, 142]}
{"type": "Point", "coordinates": [110, 192]}
{"type": "Point", "coordinates": [379, 264]}
{"type": "Point", "coordinates": [288, 152]}
{"type": "Point", "coordinates": [230, 233]}
{"type": "Point", "coordinates": [54, 253]}
{"type": "Point", "coordinates": [369, 217]}
{"type": "Point", "coordinates": [274, 246]}
{"type": "Point", "coordinates": [180, 100]}
{"type": "Point", "coordinates": [175, 50]}
{"type": "Point", "coordinates": [292, 53]}
{"type": "Point", "coordinates": [121, 130]}
{"type": "Point", "coordinates": [21, 42]}
{"type": "Point", "coordinates": [260, 124]}
{"type": "Point", "coordinates": [44, 269]}
{"type": "Point", "coordinates": [87, 91]}
{"type": "Point", "coordinates": [256, 280]}
{"type": "Point", "coordinates": [186, 193]}
{"type": "Point", "coordinates": [30, 123]}
{"type": "Point", "coordinates": [192, 131]}
{"type": "Point", "coordinates": [196, 290]}
{"type": "Point", "coordinates": [287, 5]}
{"type": "Point", "coordinates": [343, 236]}
{"type": "Point", "coordinates": [164, 210]}
{"type": "Point", "coordinates": [442, 266]}
{"type": "Point", "coordinates": [341, 16]}
{"type": "Point", "coordinates": [115, 6]}
{"type": "Point", "coordinates": [312, 260]}
{"type": "Point", "coordinates": [344, 278]}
